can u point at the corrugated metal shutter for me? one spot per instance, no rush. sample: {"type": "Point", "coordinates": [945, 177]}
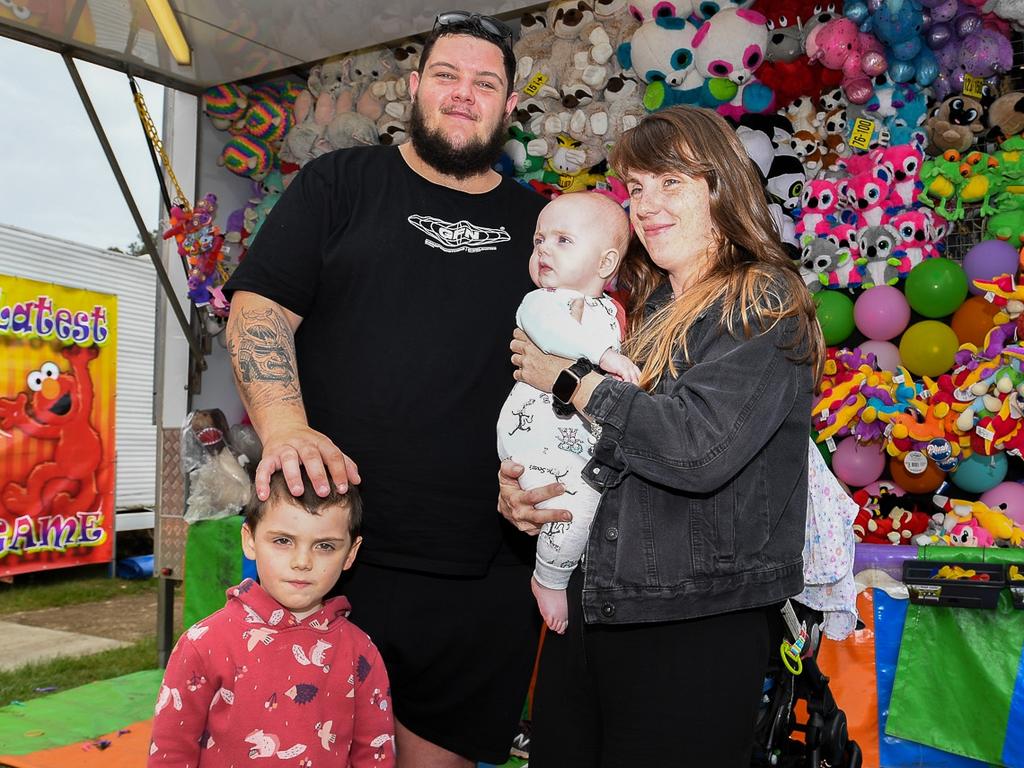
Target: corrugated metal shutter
{"type": "Point", "coordinates": [133, 280]}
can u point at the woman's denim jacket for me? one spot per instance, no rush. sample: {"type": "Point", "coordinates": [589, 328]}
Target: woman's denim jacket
{"type": "Point", "coordinates": [704, 481]}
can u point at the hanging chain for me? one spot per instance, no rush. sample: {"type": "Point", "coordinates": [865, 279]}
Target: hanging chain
{"type": "Point", "coordinates": [158, 145]}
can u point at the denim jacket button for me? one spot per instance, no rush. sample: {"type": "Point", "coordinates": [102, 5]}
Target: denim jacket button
{"type": "Point", "coordinates": [611, 534]}
{"type": "Point", "coordinates": [608, 610]}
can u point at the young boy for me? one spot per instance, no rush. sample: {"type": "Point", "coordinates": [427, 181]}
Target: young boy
{"type": "Point", "coordinates": [278, 672]}
{"type": "Point", "coordinates": [578, 245]}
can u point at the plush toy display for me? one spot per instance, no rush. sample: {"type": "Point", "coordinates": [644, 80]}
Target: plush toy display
{"type": "Point", "coordinates": [219, 485]}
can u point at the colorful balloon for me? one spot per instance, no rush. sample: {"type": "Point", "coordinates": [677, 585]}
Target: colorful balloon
{"type": "Point", "coordinates": [881, 313]}
{"type": "Point", "coordinates": [835, 315]}
{"type": "Point", "coordinates": [974, 320]}
{"type": "Point", "coordinates": [936, 287]}
{"type": "Point", "coordinates": [927, 348]}
{"type": "Point", "coordinates": [987, 260]}
{"type": "Point", "coordinates": [856, 464]}
{"type": "Point", "coordinates": [979, 473]}
{"type": "Point", "coordinates": [887, 356]}
{"type": "Point", "coordinates": [926, 482]}
{"type": "Point", "coordinates": [1010, 494]}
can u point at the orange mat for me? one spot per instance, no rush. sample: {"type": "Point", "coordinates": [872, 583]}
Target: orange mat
{"type": "Point", "coordinates": [850, 665]}
{"type": "Point", "coordinates": [128, 749]}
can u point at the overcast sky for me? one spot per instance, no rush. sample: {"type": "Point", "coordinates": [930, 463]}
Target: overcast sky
{"type": "Point", "coordinates": [54, 178]}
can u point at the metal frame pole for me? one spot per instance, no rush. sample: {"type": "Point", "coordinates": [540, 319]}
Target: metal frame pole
{"type": "Point", "coordinates": [147, 239]}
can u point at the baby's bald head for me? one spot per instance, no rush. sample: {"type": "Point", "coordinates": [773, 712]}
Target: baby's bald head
{"type": "Point", "coordinates": [607, 217]}
{"type": "Point", "coordinates": [580, 240]}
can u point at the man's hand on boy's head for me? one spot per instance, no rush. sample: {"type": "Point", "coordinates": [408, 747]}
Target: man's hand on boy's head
{"type": "Point", "coordinates": [620, 366]}
{"type": "Point", "coordinates": [519, 506]}
{"type": "Point", "coordinates": [290, 446]}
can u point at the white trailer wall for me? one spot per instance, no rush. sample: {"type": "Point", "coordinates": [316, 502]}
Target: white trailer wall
{"type": "Point", "coordinates": [133, 279]}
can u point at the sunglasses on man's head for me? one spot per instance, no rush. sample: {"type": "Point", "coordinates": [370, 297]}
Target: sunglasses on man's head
{"type": "Point", "coordinates": [488, 24]}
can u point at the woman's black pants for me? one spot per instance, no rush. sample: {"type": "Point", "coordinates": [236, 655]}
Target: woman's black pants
{"type": "Point", "coordinates": [680, 694]}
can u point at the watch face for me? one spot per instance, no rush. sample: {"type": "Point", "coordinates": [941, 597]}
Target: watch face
{"type": "Point", "coordinates": [565, 386]}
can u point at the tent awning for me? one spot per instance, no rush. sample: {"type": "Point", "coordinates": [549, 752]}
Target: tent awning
{"type": "Point", "coordinates": [231, 40]}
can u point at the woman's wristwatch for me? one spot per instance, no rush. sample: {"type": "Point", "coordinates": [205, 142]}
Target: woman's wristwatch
{"type": "Point", "coordinates": [566, 384]}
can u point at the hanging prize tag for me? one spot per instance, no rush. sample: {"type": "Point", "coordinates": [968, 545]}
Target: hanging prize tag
{"type": "Point", "coordinates": [789, 616]}
{"type": "Point", "coordinates": [824, 414]}
{"type": "Point", "coordinates": [888, 429]}
{"type": "Point", "coordinates": [973, 86]}
{"type": "Point", "coordinates": [831, 445]}
{"type": "Point", "coordinates": [863, 130]}
{"type": "Point", "coordinates": [898, 379]}
{"type": "Point", "coordinates": [985, 434]}
{"type": "Point", "coordinates": [535, 84]}
{"type": "Point", "coordinates": [915, 462]}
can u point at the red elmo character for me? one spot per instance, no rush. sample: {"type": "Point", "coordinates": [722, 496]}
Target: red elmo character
{"type": "Point", "coordinates": [57, 407]}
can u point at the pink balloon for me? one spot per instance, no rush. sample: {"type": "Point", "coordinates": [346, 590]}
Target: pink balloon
{"type": "Point", "coordinates": [876, 487]}
{"type": "Point", "coordinates": [1011, 494]}
{"type": "Point", "coordinates": [887, 354]}
{"type": "Point", "coordinates": [857, 465]}
{"type": "Point", "coordinates": [881, 313]}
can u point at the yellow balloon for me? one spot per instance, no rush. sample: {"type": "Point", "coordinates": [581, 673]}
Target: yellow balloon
{"type": "Point", "coordinates": [928, 348]}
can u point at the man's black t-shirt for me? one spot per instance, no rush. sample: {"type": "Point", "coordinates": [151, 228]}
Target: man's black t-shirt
{"type": "Point", "coordinates": [408, 293]}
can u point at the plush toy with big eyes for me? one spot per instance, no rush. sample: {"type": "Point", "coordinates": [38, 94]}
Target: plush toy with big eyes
{"type": "Point", "coordinates": [955, 124]}
{"type": "Point", "coordinates": [730, 46]}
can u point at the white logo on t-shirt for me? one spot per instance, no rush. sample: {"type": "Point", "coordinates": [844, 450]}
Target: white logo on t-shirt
{"type": "Point", "coordinates": [460, 236]}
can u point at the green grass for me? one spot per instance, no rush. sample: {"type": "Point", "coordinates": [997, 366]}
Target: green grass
{"type": "Point", "coordinates": [20, 684]}
{"type": "Point", "coordinates": [53, 589]}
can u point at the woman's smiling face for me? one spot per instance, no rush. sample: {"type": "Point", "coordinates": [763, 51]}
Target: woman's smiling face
{"type": "Point", "coordinates": [671, 213]}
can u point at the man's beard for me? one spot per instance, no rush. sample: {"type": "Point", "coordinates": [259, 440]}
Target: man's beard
{"type": "Point", "coordinates": [434, 148]}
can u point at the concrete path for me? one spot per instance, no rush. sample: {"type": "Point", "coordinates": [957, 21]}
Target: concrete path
{"type": "Point", "coordinates": [23, 644]}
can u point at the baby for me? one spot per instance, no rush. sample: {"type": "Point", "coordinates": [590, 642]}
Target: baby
{"type": "Point", "coordinates": [577, 247]}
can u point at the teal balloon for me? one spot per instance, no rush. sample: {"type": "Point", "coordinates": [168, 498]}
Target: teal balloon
{"type": "Point", "coordinates": [936, 287]}
{"type": "Point", "coordinates": [979, 473]}
{"type": "Point", "coordinates": [835, 315]}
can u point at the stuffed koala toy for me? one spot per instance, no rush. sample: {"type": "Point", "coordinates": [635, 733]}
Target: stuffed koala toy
{"type": "Point", "coordinates": [879, 258]}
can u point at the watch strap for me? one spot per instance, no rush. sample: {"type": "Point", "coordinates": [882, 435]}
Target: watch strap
{"type": "Point", "coordinates": [579, 369]}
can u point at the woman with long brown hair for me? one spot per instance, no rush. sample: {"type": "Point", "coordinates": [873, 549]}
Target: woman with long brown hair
{"type": "Point", "coordinates": [702, 468]}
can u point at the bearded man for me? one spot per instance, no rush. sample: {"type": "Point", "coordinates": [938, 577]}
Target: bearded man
{"type": "Point", "coordinates": [385, 281]}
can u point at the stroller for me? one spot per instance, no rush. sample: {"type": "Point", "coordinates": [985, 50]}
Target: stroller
{"type": "Point", "coordinates": [825, 743]}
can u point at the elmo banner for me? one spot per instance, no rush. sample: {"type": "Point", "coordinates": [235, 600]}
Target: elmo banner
{"type": "Point", "coordinates": [58, 380]}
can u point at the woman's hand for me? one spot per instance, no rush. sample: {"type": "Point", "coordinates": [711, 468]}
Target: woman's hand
{"type": "Point", "coordinates": [517, 505]}
{"type": "Point", "coordinates": [534, 367]}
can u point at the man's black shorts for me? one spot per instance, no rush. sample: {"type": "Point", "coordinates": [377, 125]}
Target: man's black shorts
{"type": "Point", "coordinates": [459, 651]}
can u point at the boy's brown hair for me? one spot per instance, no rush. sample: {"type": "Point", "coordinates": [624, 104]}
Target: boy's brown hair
{"type": "Point", "coordinates": [309, 500]}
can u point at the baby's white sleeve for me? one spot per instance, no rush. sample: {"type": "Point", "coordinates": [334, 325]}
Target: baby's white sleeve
{"type": "Point", "coordinates": [546, 316]}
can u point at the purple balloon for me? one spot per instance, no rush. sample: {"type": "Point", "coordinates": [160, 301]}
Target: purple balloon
{"type": "Point", "coordinates": [967, 24]}
{"type": "Point", "coordinates": [986, 53]}
{"type": "Point", "coordinates": [857, 465]}
{"type": "Point", "coordinates": [939, 35]}
{"type": "Point", "coordinates": [941, 87]}
{"type": "Point", "coordinates": [985, 261]}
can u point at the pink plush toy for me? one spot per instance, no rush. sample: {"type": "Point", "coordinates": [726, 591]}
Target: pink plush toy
{"type": "Point", "coordinates": [818, 205]}
{"type": "Point", "coordinates": [838, 44]}
{"type": "Point", "coordinates": [865, 195]}
{"type": "Point", "coordinates": [970, 534]}
{"type": "Point", "coordinates": [913, 228]}
{"type": "Point", "coordinates": [904, 165]}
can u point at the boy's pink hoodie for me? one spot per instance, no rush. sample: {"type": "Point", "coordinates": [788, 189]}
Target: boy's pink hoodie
{"type": "Point", "coordinates": [251, 682]}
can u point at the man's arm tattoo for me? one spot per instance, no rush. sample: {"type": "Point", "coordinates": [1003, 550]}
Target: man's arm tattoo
{"type": "Point", "coordinates": [262, 349]}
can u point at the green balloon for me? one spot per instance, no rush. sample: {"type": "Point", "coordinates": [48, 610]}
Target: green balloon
{"type": "Point", "coordinates": [936, 287]}
{"type": "Point", "coordinates": [835, 315]}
